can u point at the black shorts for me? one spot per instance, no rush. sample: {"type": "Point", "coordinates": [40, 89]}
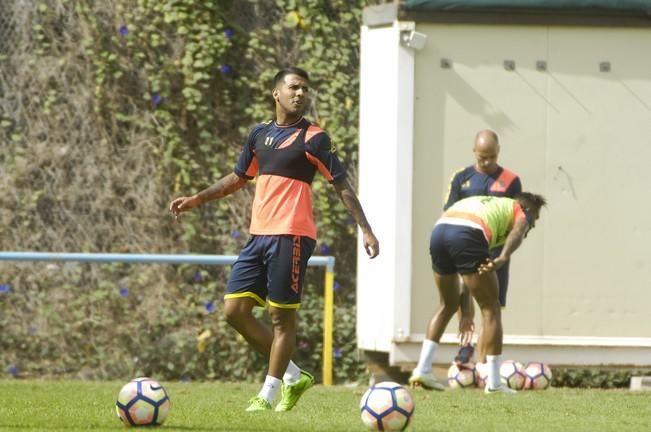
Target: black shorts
{"type": "Point", "coordinates": [271, 268]}
{"type": "Point", "coordinates": [457, 249]}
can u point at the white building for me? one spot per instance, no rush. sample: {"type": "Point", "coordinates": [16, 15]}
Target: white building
{"type": "Point", "coordinates": [567, 86]}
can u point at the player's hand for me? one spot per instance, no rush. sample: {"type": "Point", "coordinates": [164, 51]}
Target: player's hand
{"type": "Point", "coordinates": [466, 330]}
{"type": "Point", "coordinates": [182, 204]}
{"type": "Point", "coordinates": [491, 265]}
{"type": "Point", "coordinates": [371, 244]}
{"type": "Point", "coordinates": [486, 267]}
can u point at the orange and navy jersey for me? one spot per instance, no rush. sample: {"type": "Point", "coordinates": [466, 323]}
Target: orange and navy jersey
{"type": "Point", "coordinates": [285, 159]}
{"type": "Point", "coordinates": [470, 182]}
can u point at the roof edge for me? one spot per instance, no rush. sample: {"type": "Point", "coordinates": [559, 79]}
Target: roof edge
{"type": "Point", "coordinates": [386, 14]}
{"type": "Point", "coordinates": [380, 15]}
{"type": "Point", "coordinates": [560, 17]}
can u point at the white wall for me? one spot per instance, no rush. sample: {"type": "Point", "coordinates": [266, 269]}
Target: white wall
{"type": "Point", "coordinates": [598, 273]}
{"type": "Point", "coordinates": [385, 189]}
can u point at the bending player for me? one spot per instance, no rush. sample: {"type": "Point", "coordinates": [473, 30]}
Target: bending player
{"type": "Point", "coordinates": [460, 245]}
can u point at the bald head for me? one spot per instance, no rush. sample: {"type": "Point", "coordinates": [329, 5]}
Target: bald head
{"type": "Point", "coordinates": [486, 150]}
{"type": "Point", "coordinates": [487, 139]}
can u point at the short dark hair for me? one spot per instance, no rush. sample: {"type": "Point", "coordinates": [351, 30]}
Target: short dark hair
{"type": "Point", "coordinates": [531, 201]}
{"type": "Point", "coordinates": [292, 70]}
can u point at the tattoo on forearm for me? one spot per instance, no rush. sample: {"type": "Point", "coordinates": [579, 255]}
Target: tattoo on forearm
{"type": "Point", "coordinates": [225, 186]}
{"type": "Point", "coordinates": [513, 240]}
{"type": "Point", "coordinates": [355, 208]}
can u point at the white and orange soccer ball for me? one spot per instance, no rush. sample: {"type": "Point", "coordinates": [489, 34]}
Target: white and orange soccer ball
{"type": "Point", "coordinates": [463, 376]}
{"type": "Point", "coordinates": [387, 406]}
{"type": "Point", "coordinates": [513, 374]}
{"type": "Point", "coordinates": [143, 402]}
{"type": "Point", "coordinates": [538, 376]}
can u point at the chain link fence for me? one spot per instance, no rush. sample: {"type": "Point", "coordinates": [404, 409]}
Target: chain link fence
{"type": "Point", "coordinates": [14, 16]}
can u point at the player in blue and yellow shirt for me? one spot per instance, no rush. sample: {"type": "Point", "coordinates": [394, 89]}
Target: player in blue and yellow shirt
{"type": "Point", "coordinates": [285, 155]}
{"type": "Point", "coordinates": [484, 178]}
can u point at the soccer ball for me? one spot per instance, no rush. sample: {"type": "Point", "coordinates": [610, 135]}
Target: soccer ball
{"type": "Point", "coordinates": [387, 406]}
{"type": "Point", "coordinates": [513, 374]}
{"type": "Point", "coordinates": [539, 376]}
{"type": "Point", "coordinates": [462, 376]}
{"type": "Point", "coordinates": [143, 402]}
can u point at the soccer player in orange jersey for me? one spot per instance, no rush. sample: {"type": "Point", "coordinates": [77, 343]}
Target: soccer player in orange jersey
{"type": "Point", "coordinates": [284, 154]}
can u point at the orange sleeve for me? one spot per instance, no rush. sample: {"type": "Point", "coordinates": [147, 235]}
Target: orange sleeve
{"type": "Point", "coordinates": [518, 213]}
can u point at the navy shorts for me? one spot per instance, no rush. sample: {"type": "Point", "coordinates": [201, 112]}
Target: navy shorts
{"type": "Point", "coordinates": [271, 268]}
{"type": "Point", "coordinates": [457, 249]}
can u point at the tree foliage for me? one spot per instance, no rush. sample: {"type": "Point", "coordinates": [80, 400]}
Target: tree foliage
{"type": "Point", "coordinates": [108, 110]}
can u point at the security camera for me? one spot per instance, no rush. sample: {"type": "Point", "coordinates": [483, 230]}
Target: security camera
{"type": "Point", "coordinates": [413, 39]}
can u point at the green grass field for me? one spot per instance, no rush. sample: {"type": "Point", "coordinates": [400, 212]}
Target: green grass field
{"type": "Point", "coordinates": [82, 405]}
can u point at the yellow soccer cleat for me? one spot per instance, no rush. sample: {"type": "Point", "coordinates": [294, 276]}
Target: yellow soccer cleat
{"type": "Point", "coordinates": [291, 393]}
{"type": "Point", "coordinates": [258, 403]}
{"type": "Point", "coordinates": [427, 381]}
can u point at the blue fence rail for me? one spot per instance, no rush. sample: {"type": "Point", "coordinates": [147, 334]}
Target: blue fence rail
{"type": "Point", "coordinates": [322, 261]}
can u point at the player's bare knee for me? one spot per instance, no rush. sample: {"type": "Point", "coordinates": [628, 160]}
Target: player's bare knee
{"type": "Point", "coordinates": [235, 313]}
{"type": "Point", "coordinates": [450, 308]}
{"type": "Point", "coordinates": [232, 316]}
{"type": "Point", "coordinates": [283, 321]}
{"type": "Point", "coordinates": [490, 308]}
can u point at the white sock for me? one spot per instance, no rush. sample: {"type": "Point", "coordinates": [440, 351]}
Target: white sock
{"type": "Point", "coordinates": [270, 388]}
{"type": "Point", "coordinates": [292, 374]}
{"type": "Point", "coordinates": [427, 353]}
{"type": "Point", "coordinates": [493, 380]}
